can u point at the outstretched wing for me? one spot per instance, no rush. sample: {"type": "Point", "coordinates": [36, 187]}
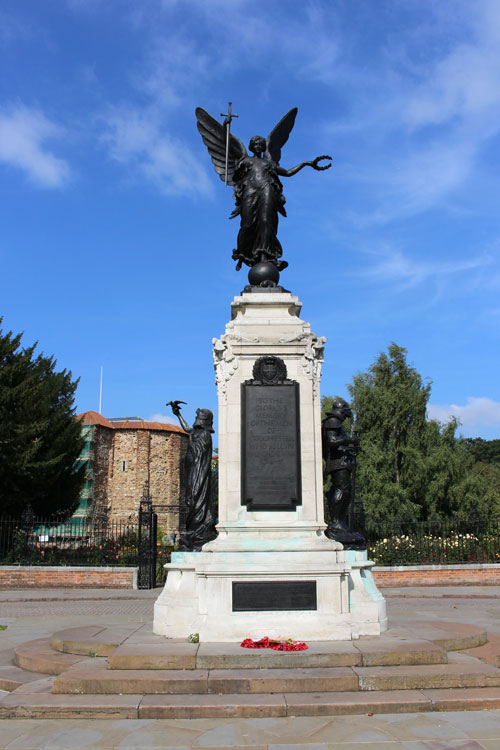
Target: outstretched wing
{"type": "Point", "coordinates": [279, 135]}
{"type": "Point", "coordinates": [213, 134]}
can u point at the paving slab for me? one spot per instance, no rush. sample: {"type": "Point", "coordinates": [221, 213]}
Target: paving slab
{"type": "Point", "coordinates": [332, 704]}
{"type": "Point", "coordinates": [281, 680]}
{"type": "Point", "coordinates": [7, 657]}
{"type": "Point", "coordinates": [212, 706]}
{"type": "Point", "coordinates": [41, 685]}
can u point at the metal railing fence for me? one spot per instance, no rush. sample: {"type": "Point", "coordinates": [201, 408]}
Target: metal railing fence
{"type": "Point", "coordinates": [87, 542]}
{"type": "Point", "coordinates": [77, 541]}
{"type": "Point", "coordinates": [434, 542]}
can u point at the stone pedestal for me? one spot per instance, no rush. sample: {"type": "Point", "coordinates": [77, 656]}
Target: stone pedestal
{"type": "Point", "coordinates": [271, 571]}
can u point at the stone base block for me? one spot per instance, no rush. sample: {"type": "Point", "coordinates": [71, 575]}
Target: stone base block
{"type": "Point", "coordinates": [227, 596]}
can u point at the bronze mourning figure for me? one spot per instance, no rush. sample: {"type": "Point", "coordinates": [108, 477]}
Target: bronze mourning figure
{"type": "Point", "coordinates": [258, 191]}
{"type": "Point", "coordinates": [339, 452]}
{"type": "Point", "coordinates": [197, 480]}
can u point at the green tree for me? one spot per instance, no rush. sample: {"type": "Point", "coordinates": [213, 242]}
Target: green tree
{"type": "Point", "coordinates": [40, 439]}
{"type": "Point", "coordinates": [485, 451]}
{"type": "Point", "coordinates": [409, 467]}
{"type": "Point", "coordinates": [456, 485]}
{"type": "Point", "coordinates": [486, 457]}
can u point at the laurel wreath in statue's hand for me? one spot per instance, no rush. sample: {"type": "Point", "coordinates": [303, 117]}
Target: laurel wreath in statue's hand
{"type": "Point", "coordinates": [314, 163]}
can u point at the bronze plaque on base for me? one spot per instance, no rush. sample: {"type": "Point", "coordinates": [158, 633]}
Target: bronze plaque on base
{"type": "Point", "coordinates": [270, 439]}
{"type": "Point", "coordinates": [273, 596]}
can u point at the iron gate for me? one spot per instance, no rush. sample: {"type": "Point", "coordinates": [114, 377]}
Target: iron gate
{"type": "Point", "coordinates": [147, 545]}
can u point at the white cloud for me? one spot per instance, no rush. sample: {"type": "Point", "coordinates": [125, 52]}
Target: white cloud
{"type": "Point", "coordinates": [464, 83]}
{"type": "Point", "coordinates": [439, 109]}
{"type": "Point", "coordinates": [23, 136]}
{"type": "Point", "coordinates": [138, 139]}
{"type": "Point", "coordinates": [173, 67]}
{"type": "Point", "coordinates": [433, 172]}
{"type": "Point", "coordinates": [163, 418]}
{"type": "Point", "coordinates": [477, 413]}
{"type": "Point", "coordinates": [393, 266]}
{"type": "Point", "coordinates": [190, 45]}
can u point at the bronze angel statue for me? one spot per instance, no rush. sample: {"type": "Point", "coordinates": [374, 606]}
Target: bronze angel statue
{"type": "Point", "coordinates": [258, 191]}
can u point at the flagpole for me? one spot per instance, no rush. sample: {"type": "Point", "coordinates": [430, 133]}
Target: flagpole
{"type": "Point", "coordinates": [100, 393]}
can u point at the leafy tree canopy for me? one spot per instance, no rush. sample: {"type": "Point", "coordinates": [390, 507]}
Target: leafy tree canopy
{"type": "Point", "coordinates": [40, 439]}
{"type": "Point", "coordinates": [409, 467]}
{"type": "Point", "coordinates": [486, 451]}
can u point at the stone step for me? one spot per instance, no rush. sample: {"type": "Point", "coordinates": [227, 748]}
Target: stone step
{"type": "Point", "coordinates": [462, 671]}
{"type": "Point", "coordinates": [39, 656]}
{"type": "Point", "coordinates": [51, 706]}
{"type": "Point", "coordinates": [92, 640]}
{"type": "Point", "coordinates": [93, 678]}
{"type": "Point", "coordinates": [489, 652]}
{"type": "Point", "coordinates": [136, 647]}
{"type": "Point", "coordinates": [12, 676]}
{"type": "Point", "coordinates": [97, 680]}
{"type": "Point", "coordinates": [452, 636]}
{"type": "Point", "coordinates": [148, 652]}
{"type": "Point", "coordinates": [160, 653]}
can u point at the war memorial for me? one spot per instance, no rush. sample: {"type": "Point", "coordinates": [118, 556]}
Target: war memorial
{"type": "Point", "coordinates": [269, 573]}
{"type": "Point", "coordinates": [268, 568]}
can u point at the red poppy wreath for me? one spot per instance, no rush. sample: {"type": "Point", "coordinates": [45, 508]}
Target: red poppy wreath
{"type": "Point", "coordinates": [277, 644]}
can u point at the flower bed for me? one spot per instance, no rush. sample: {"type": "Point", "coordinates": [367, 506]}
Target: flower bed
{"type": "Point", "coordinates": [434, 549]}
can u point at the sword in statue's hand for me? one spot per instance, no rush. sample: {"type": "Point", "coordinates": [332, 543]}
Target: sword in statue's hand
{"type": "Point", "coordinates": [227, 124]}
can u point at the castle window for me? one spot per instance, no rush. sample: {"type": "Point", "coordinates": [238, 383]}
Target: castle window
{"type": "Point", "coordinates": [124, 466]}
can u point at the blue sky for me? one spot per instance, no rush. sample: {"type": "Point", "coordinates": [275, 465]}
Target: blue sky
{"type": "Point", "coordinates": [115, 242]}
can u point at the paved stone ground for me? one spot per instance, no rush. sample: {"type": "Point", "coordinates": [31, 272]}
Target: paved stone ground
{"type": "Point", "coordinates": [37, 614]}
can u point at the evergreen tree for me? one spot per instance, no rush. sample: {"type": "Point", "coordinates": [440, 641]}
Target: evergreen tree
{"type": "Point", "coordinates": [40, 439]}
{"type": "Point", "coordinates": [409, 467]}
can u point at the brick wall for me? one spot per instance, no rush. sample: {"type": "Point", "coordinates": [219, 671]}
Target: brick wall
{"type": "Point", "coordinates": [19, 577]}
{"type": "Point", "coordinates": [438, 575]}
{"type": "Point", "coordinates": [29, 577]}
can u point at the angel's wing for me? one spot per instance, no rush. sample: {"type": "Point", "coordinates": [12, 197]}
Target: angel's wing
{"type": "Point", "coordinates": [279, 135]}
{"type": "Point", "coordinates": [214, 138]}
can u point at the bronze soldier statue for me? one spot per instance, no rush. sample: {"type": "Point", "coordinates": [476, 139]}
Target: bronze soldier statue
{"type": "Point", "coordinates": [200, 522]}
{"type": "Point", "coordinates": [339, 452]}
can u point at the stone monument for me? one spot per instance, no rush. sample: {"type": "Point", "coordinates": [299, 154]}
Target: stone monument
{"type": "Point", "coordinates": [271, 571]}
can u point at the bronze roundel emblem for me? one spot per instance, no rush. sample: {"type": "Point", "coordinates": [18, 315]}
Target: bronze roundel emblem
{"type": "Point", "coordinates": [269, 370]}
